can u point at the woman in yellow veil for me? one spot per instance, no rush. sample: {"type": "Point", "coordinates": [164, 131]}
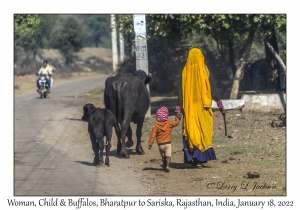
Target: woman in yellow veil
{"type": "Point", "coordinates": [196, 90]}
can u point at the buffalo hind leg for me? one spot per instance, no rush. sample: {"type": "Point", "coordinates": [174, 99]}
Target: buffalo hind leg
{"type": "Point", "coordinates": [129, 142]}
{"type": "Point", "coordinates": [124, 129]}
{"type": "Point", "coordinates": [139, 149]}
{"type": "Point", "coordinates": [95, 145]}
{"type": "Point", "coordinates": [119, 144]}
{"type": "Point", "coordinates": [108, 129]}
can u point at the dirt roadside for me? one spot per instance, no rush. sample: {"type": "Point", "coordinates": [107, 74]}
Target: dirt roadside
{"type": "Point", "coordinates": [255, 147]}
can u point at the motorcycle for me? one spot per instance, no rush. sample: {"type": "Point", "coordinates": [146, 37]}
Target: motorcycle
{"type": "Point", "coordinates": [43, 85]}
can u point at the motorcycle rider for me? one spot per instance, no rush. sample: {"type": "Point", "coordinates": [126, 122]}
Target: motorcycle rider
{"type": "Point", "coordinates": [51, 69]}
{"type": "Point", "coordinates": [44, 70]}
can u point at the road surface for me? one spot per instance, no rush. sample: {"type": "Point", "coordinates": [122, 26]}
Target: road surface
{"type": "Point", "coordinates": [53, 154]}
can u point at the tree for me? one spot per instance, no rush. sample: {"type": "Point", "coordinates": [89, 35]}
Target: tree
{"type": "Point", "coordinates": [233, 34]}
{"type": "Point", "coordinates": [25, 27]}
{"type": "Point", "coordinates": [69, 39]}
{"type": "Point", "coordinates": [269, 25]}
{"type": "Point", "coordinates": [242, 62]}
{"type": "Point", "coordinates": [163, 46]}
{"type": "Point", "coordinates": [43, 32]}
{"type": "Point", "coordinates": [266, 24]}
{"type": "Point", "coordinates": [98, 28]}
{"type": "Point", "coordinates": [174, 31]}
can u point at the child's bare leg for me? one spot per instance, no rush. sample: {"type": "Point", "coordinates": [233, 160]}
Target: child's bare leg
{"type": "Point", "coordinates": [163, 155]}
{"type": "Point", "coordinates": [168, 157]}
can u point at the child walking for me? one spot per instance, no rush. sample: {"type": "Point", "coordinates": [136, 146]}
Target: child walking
{"type": "Point", "coordinates": [162, 131]}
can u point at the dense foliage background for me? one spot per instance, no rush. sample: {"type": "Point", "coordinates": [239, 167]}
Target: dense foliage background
{"type": "Point", "coordinates": [234, 45]}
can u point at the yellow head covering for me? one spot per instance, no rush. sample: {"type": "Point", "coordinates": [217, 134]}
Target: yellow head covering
{"type": "Point", "coordinates": [197, 101]}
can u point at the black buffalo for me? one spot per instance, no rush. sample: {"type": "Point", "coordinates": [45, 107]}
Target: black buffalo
{"type": "Point", "coordinates": [126, 95]}
{"type": "Point", "coordinates": [100, 123]}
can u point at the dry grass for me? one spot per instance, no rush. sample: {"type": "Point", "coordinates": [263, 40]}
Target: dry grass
{"type": "Point", "coordinates": [88, 59]}
{"type": "Point", "coordinates": [102, 53]}
{"type": "Point", "coordinates": [85, 53]}
{"type": "Point", "coordinates": [94, 96]}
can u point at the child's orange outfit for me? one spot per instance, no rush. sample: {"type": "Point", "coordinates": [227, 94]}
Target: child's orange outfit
{"type": "Point", "coordinates": [162, 131]}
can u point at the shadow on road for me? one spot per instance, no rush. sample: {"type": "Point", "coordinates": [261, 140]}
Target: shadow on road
{"type": "Point", "coordinates": [152, 169]}
{"type": "Point", "coordinates": [74, 119]}
{"type": "Point", "coordinates": [174, 166]}
{"type": "Point", "coordinates": [84, 163]}
{"type": "Point", "coordinates": [184, 166]}
{"type": "Point", "coordinates": [114, 153]}
{"type": "Point", "coordinates": [42, 98]}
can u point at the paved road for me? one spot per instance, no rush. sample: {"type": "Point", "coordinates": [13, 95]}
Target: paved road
{"type": "Point", "coordinates": [52, 151]}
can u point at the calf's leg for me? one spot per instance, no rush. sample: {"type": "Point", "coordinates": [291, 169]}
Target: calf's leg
{"type": "Point", "coordinates": [95, 146]}
{"type": "Point", "coordinates": [101, 147]}
{"type": "Point", "coordinates": [100, 141]}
